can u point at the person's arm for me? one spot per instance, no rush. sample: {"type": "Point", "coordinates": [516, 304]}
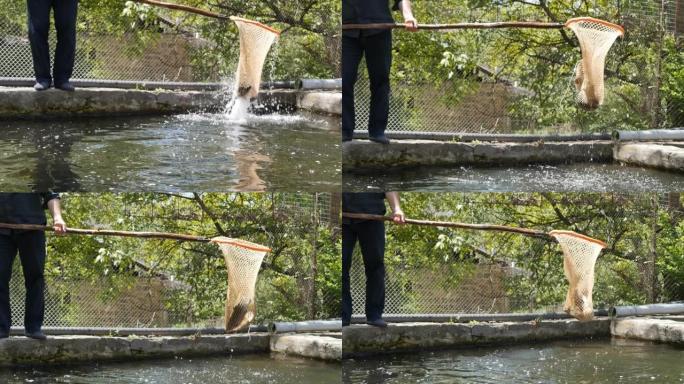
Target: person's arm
{"type": "Point", "coordinates": [395, 206]}
{"type": "Point", "coordinates": [406, 11]}
{"type": "Point", "coordinates": [58, 223]}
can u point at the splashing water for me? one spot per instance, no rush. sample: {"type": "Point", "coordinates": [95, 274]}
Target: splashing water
{"type": "Point", "coordinates": [238, 109]}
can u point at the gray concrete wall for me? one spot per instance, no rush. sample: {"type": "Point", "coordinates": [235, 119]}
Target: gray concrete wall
{"type": "Point", "coordinates": [654, 329]}
{"type": "Point", "coordinates": [75, 349]}
{"type": "Point", "coordinates": [362, 340]}
{"type": "Point", "coordinates": [308, 345]}
{"type": "Point", "coordinates": [400, 153]}
{"type": "Point", "coordinates": [661, 156]}
{"type": "Point", "coordinates": [26, 103]}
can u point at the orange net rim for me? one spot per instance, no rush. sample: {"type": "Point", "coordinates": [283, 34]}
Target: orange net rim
{"type": "Point", "coordinates": [619, 28]}
{"type": "Point", "coordinates": [241, 244]}
{"type": "Point", "coordinates": [580, 236]}
{"type": "Point", "coordinates": [258, 24]}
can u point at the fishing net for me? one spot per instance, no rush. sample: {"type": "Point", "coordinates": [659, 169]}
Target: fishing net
{"type": "Point", "coordinates": [243, 261]}
{"type": "Point", "coordinates": [255, 41]}
{"type": "Point", "coordinates": [595, 38]}
{"type": "Point", "coordinates": [579, 256]}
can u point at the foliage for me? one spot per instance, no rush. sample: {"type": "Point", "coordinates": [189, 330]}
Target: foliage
{"type": "Point", "coordinates": [284, 290]}
{"type": "Point", "coordinates": [624, 274]}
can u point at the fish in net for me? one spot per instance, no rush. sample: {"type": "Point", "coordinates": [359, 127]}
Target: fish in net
{"type": "Point", "coordinates": [255, 41]}
{"type": "Point", "coordinates": [243, 261]}
{"type": "Point", "coordinates": [595, 38]}
{"type": "Point", "coordinates": [579, 257]}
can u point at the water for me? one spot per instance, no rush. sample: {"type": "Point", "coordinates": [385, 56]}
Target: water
{"type": "Point", "coordinates": [580, 177]}
{"type": "Point", "coordinates": [252, 369]}
{"type": "Point", "coordinates": [618, 361]}
{"type": "Point", "coordinates": [205, 152]}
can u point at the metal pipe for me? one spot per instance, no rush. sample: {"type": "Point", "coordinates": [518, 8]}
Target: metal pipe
{"type": "Point", "coordinates": [146, 85]}
{"type": "Point", "coordinates": [466, 137]}
{"type": "Point", "coordinates": [650, 309]}
{"type": "Point", "coordinates": [319, 84]}
{"type": "Point", "coordinates": [468, 317]}
{"type": "Point", "coordinates": [306, 326]}
{"type": "Point", "coordinates": [650, 134]}
{"type": "Point", "coordinates": [122, 332]}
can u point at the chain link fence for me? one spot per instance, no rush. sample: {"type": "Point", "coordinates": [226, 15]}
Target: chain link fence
{"type": "Point", "coordinates": [449, 271]}
{"type": "Point", "coordinates": [521, 81]}
{"type": "Point", "coordinates": [150, 294]}
{"type": "Point", "coordinates": [166, 55]}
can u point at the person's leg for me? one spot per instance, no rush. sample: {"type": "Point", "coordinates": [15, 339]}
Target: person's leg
{"type": "Point", "coordinates": [378, 51]}
{"type": "Point", "coordinates": [351, 57]}
{"type": "Point", "coordinates": [65, 24]}
{"type": "Point", "coordinates": [38, 14]}
{"type": "Point", "coordinates": [8, 250]}
{"type": "Point", "coordinates": [372, 243]}
{"type": "Point", "coordinates": [348, 243]}
{"type": "Point", "coordinates": [31, 246]}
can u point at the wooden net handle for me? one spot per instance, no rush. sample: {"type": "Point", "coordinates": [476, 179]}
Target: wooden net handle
{"type": "Point", "coordinates": [479, 227]}
{"type": "Point", "coordinates": [106, 232]}
{"type": "Point", "coordinates": [494, 25]}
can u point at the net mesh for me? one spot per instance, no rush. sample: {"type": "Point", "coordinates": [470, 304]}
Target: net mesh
{"type": "Point", "coordinates": [255, 41]}
{"type": "Point", "coordinates": [595, 38]}
{"type": "Point", "coordinates": [243, 261]}
{"type": "Point", "coordinates": [579, 257]}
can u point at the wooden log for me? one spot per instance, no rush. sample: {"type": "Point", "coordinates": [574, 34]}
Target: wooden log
{"type": "Point", "coordinates": [106, 232]}
{"type": "Point", "coordinates": [495, 25]}
{"type": "Point", "coordinates": [448, 224]}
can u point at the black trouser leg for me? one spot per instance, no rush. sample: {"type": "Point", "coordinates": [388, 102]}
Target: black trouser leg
{"type": "Point", "coordinates": [378, 51]}
{"type": "Point", "coordinates": [8, 251]}
{"type": "Point", "coordinates": [348, 243]}
{"type": "Point", "coordinates": [38, 12]}
{"type": "Point", "coordinates": [31, 245]}
{"type": "Point", "coordinates": [371, 235]}
{"type": "Point", "coordinates": [65, 52]}
{"type": "Point", "coordinates": [352, 52]}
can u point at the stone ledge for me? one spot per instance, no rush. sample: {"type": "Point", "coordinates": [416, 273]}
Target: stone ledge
{"type": "Point", "coordinates": [359, 154]}
{"type": "Point", "coordinates": [362, 340]}
{"type": "Point", "coordinates": [660, 330]}
{"type": "Point", "coordinates": [661, 156]}
{"type": "Point", "coordinates": [308, 345]}
{"type": "Point", "coordinates": [22, 103]}
{"type": "Point", "coordinates": [75, 349]}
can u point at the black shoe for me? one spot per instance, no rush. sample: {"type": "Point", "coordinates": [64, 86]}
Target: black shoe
{"type": "Point", "coordinates": [41, 86]}
{"type": "Point", "coordinates": [346, 138]}
{"type": "Point", "coordinates": [38, 335]}
{"type": "Point", "coordinates": [346, 323]}
{"type": "Point", "coordinates": [382, 139]}
{"type": "Point", "coordinates": [66, 86]}
{"type": "Point", "coordinates": [380, 323]}
{"type": "Point", "coordinates": [3, 335]}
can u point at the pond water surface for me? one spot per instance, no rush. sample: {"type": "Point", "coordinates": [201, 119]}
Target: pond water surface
{"type": "Point", "coordinates": [581, 177]}
{"type": "Point", "coordinates": [617, 361]}
{"type": "Point", "coordinates": [252, 369]}
{"type": "Point", "coordinates": [205, 152]}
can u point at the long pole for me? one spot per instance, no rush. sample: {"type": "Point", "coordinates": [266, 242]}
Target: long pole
{"type": "Point", "coordinates": [186, 8]}
{"type": "Point", "coordinates": [495, 25]}
{"type": "Point", "coordinates": [106, 232]}
{"type": "Point", "coordinates": [478, 227]}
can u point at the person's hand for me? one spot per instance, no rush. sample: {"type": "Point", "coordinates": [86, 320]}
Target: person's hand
{"type": "Point", "coordinates": [398, 217]}
{"type": "Point", "coordinates": [411, 24]}
{"type": "Point", "coordinates": [59, 226]}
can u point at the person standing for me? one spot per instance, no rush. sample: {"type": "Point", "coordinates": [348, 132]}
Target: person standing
{"type": "Point", "coordinates": [370, 235]}
{"type": "Point", "coordinates": [65, 52]}
{"type": "Point", "coordinates": [26, 208]}
{"type": "Point", "coordinates": [376, 46]}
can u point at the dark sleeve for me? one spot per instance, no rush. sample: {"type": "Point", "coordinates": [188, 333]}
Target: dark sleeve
{"type": "Point", "coordinates": [47, 197]}
{"type": "Point", "coordinates": [395, 7]}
